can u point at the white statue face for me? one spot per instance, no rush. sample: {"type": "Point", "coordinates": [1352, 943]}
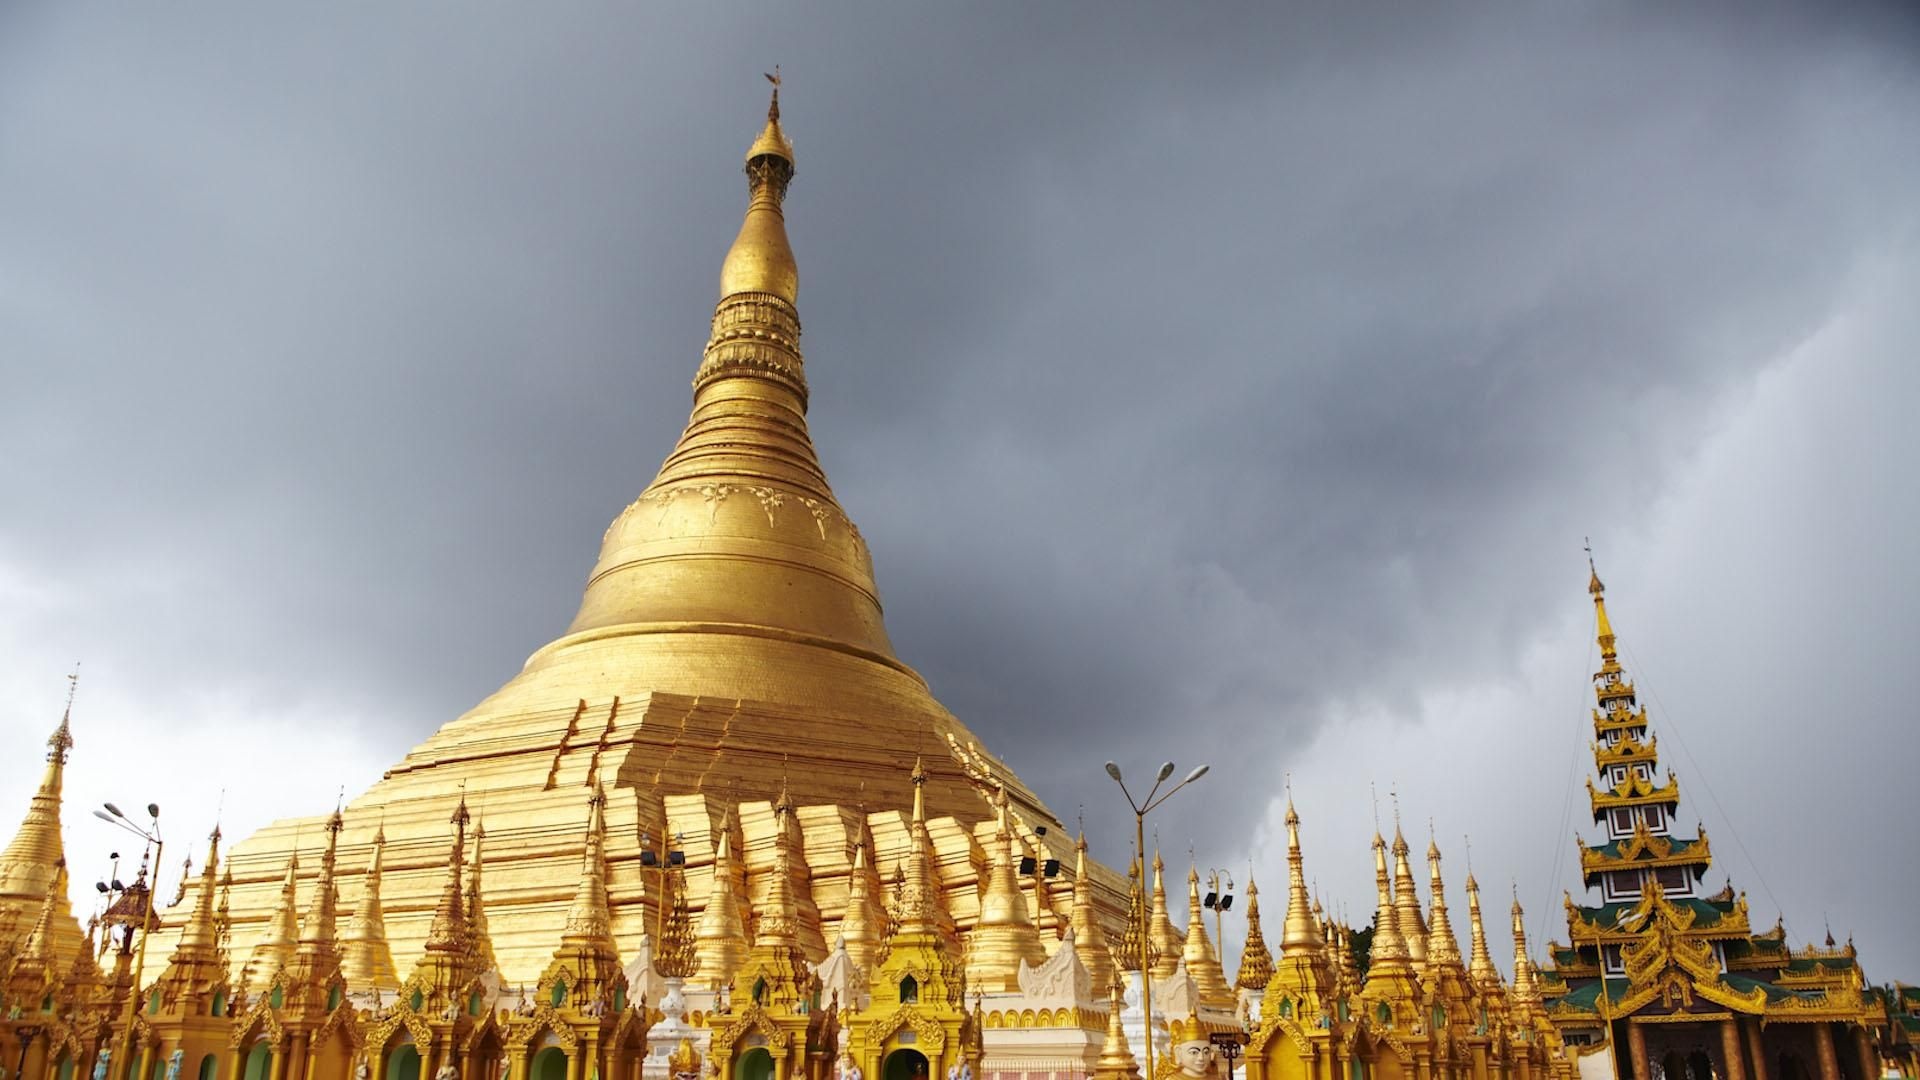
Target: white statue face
{"type": "Point", "coordinates": [1194, 1058]}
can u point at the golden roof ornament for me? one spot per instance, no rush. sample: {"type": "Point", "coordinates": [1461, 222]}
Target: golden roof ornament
{"type": "Point", "coordinates": [1526, 988]}
{"type": "Point", "coordinates": [1089, 944]}
{"type": "Point", "coordinates": [1480, 968]}
{"type": "Point", "coordinates": [676, 957]}
{"type": "Point", "coordinates": [1168, 943]}
{"type": "Point", "coordinates": [276, 949]}
{"type": "Point", "coordinates": [1388, 945]}
{"type": "Point", "coordinates": [1300, 932]}
{"type": "Point", "coordinates": [1443, 949]}
{"type": "Point", "coordinates": [721, 940]}
{"type": "Point", "coordinates": [1135, 936]}
{"type": "Point", "coordinates": [1116, 1056]}
{"type": "Point", "coordinates": [1406, 898]}
{"type": "Point", "coordinates": [479, 935]}
{"type": "Point", "coordinates": [26, 866]}
{"type": "Point", "coordinates": [448, 933]}
{"type": "Point", "coordinates": [366, 960]}
{"type": "Point", "coordinates": [1202, 964]}
{"type": "Point", "coordinates": [1256, 961]}
{"type": "Point", "coordinates": [317, 929]}
{"type": "Point", "coordinates": [590, 918]}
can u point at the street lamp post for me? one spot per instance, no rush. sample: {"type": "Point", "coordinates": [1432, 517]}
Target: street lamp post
{"type": "Point", "coordinates": [1218, 901]}
{"type": "Point", "coordinates": [151, 834]}
{"type": "Point", "coordinates": [1141, 808]}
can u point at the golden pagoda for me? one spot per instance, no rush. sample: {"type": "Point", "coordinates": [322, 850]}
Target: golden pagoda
{"type": "Point", "coordinates": [28, 865]}
{"type": "Point", "coordinates": [1675, 972]}
{"type": "Point", "coordinates": [733, 605]}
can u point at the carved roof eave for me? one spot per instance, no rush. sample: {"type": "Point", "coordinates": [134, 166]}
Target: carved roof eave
{"type": "Point", "coordinates": [1634, 791]}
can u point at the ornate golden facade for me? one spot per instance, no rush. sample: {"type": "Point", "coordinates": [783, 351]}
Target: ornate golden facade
{"type": "Point", "coordinates": [854, 889]}
{"type": "Point", "coordinates": [1676, 974]}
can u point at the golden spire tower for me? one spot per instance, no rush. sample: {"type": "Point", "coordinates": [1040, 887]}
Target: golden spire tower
{"type": "Point", "coordinates": [1391, 991]}
{"type": "Point", "coordinates": [317, 956]}
{"type": "Point", "coordinates": [731, 626]}
{"type": "Point", "coordinates": [479, 936]}
{"type": "Point", "coordinates": [27, 864]}
{"type": "Point", "coordinates": [276, 949]}
{"type": "Point", "coordinates": [862, 929]}
{"type": "Point", "coordinates": [1480, 968]}
{"type": "Point", "coordinates": [1168, 943]}
{"type": "Point", "coordinates": [1089, 944]}
{"type": "Point", "coordinates": [1442, 946]}
{"type": "Point", "coordinates": [721, 941]}
{"type": "Point", "coordinates": [1116, 1056]}
{"type": "Point", "coordinates": [1256, 960]}
{"type": "Point", "coordinates": [1526, 990]}
{"type": "Point", "coordinates": [1303, 975]}
{"type": "Point", "coordinates": [365, 958]}
{"type": "Point", "coordinates": [1004, 935]}
{"type": "Point", "coordinates": [1202, 964]}
{"type": "Point", "coordinates": [1406, 902]}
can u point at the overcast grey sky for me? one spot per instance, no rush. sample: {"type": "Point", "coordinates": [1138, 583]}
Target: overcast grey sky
{"type": "Point", "coordinates": [1229, 384]}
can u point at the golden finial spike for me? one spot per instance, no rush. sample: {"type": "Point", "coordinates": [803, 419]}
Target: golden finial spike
{"type": "Point", "coordinates": [773, 107]}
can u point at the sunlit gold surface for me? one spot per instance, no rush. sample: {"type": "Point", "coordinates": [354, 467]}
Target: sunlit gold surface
{"type": "Point", "coordinates": [729, 636]}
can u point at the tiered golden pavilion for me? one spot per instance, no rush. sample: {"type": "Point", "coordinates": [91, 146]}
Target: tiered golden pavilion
{"type": "Point", "coordinates": [718, 829]}
{"type": "Point", "coordinates": [1677, 974]}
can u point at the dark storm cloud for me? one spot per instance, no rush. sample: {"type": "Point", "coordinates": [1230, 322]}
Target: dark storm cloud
{"type": "Point", "coordinates": [1189, 371]}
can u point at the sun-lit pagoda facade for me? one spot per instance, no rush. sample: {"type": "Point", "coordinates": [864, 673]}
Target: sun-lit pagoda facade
{"type": "Point", "coordinates": [716, 824]}
{"type": "Point", "coordinates": [1421, 1009]}
{"type": "Point", "coordinates": [1668, 971]}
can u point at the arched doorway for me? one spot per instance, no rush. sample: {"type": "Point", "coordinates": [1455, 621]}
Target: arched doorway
{"type": "Point", "coordinates": [65, 1069]}
{"type": "Point", "coordinates": [549, 1064]}
{"type": "Point", "coordinates": [403, 1063]}
{"type": "Point", "coordinates": [1673, 1066]}
{"type": "Point", "coordinates": [1700, 1066]}
{"type": "Point", "coordinates": [259, 1061]}
{"type": "Point", "coordinates": [905, 1064]}
{"type": "Point", "coordinates": [755, 1064]}
{"type": "Point", "coordinates": [209, 1068]}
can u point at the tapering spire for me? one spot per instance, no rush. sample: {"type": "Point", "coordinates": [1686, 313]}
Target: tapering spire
{"type": "Point", "coordinates": [1089, 944]}
{"type": "Point", "coordinates": [1256, 961]}
{"type": "Point", "coordinates": [479, 935]}
{"type": "Point", "coordinates": [1526, 989]}
{"type": "Point", "coordinates": [918, 895]}
{"type": "Point", "coordinates": [448, 933]}
{"type": "Point", "coordinates": [39, 943]}
{"type": "Point", "coordinates": [778, 921]}
{"type": "Point", "coordinates": [747, 433]}
{"type": "Point", "coordinates": [721, 941]}
{"type": "Point", "coordinates": [276, 949]}
{"type": "Point", "coordinates": [317, 931]}
{"type": "Point", "coordinates": [1443, 949]}
{"type": "Point", "coordinates": [1004, 935]}
{"type": "Point", "coordinates": [1603, 627]}
{"type": "Point", "coordinates": [1168, 943]}
{"type": "Point", "coordinates": [27, 864]}
{"type": "Point", "coordinates": [1406, 901]}
{"type": "Point", "coordinates": [1388, 945]}
{"type": "Point", "coordinates": [1116, 1056]}
{"type": "Point", "coordinates": [200, 937]}
{"type": "Point", "coordinates": [1480, 967]}
{"type": "Point", "coordinates": [1300, 932]}
{"type": "Point", "coordinates": [862, 928]}
{"type": "Point", "coordinates": [1136, 936]}
{"type": "Point", "coordinates": [590, 918]}
{"type": "Point", "coordinates": [1198, 952]}
{"type": "Point", "coordinates": [366, 959]}
{"type": "Point", "coordinates": [675, 958]}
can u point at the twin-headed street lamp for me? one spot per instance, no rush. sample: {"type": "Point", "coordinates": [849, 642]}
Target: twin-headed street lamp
{"type": "Point", "coordinates": [150, 834]}
{"type": "Point", "coordinates": [1141, 808]}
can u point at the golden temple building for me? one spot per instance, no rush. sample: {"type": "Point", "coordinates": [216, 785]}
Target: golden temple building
{"type": "Point", "coordinates": [882, 897]}
{"type": "Point", "coordinates": [718, 829]}
{"type": "Point", "coordinates": [1674, 978]}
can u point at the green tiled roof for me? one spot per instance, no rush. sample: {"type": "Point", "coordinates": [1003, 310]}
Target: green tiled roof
{"type": "Point", "coordinates": [1588, 996]}
{"type": "Point", "coordinates": [1774, 993]}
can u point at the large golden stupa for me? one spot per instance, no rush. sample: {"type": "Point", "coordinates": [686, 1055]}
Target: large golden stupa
{"type": "Point", "coordinates": [730, 641]}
